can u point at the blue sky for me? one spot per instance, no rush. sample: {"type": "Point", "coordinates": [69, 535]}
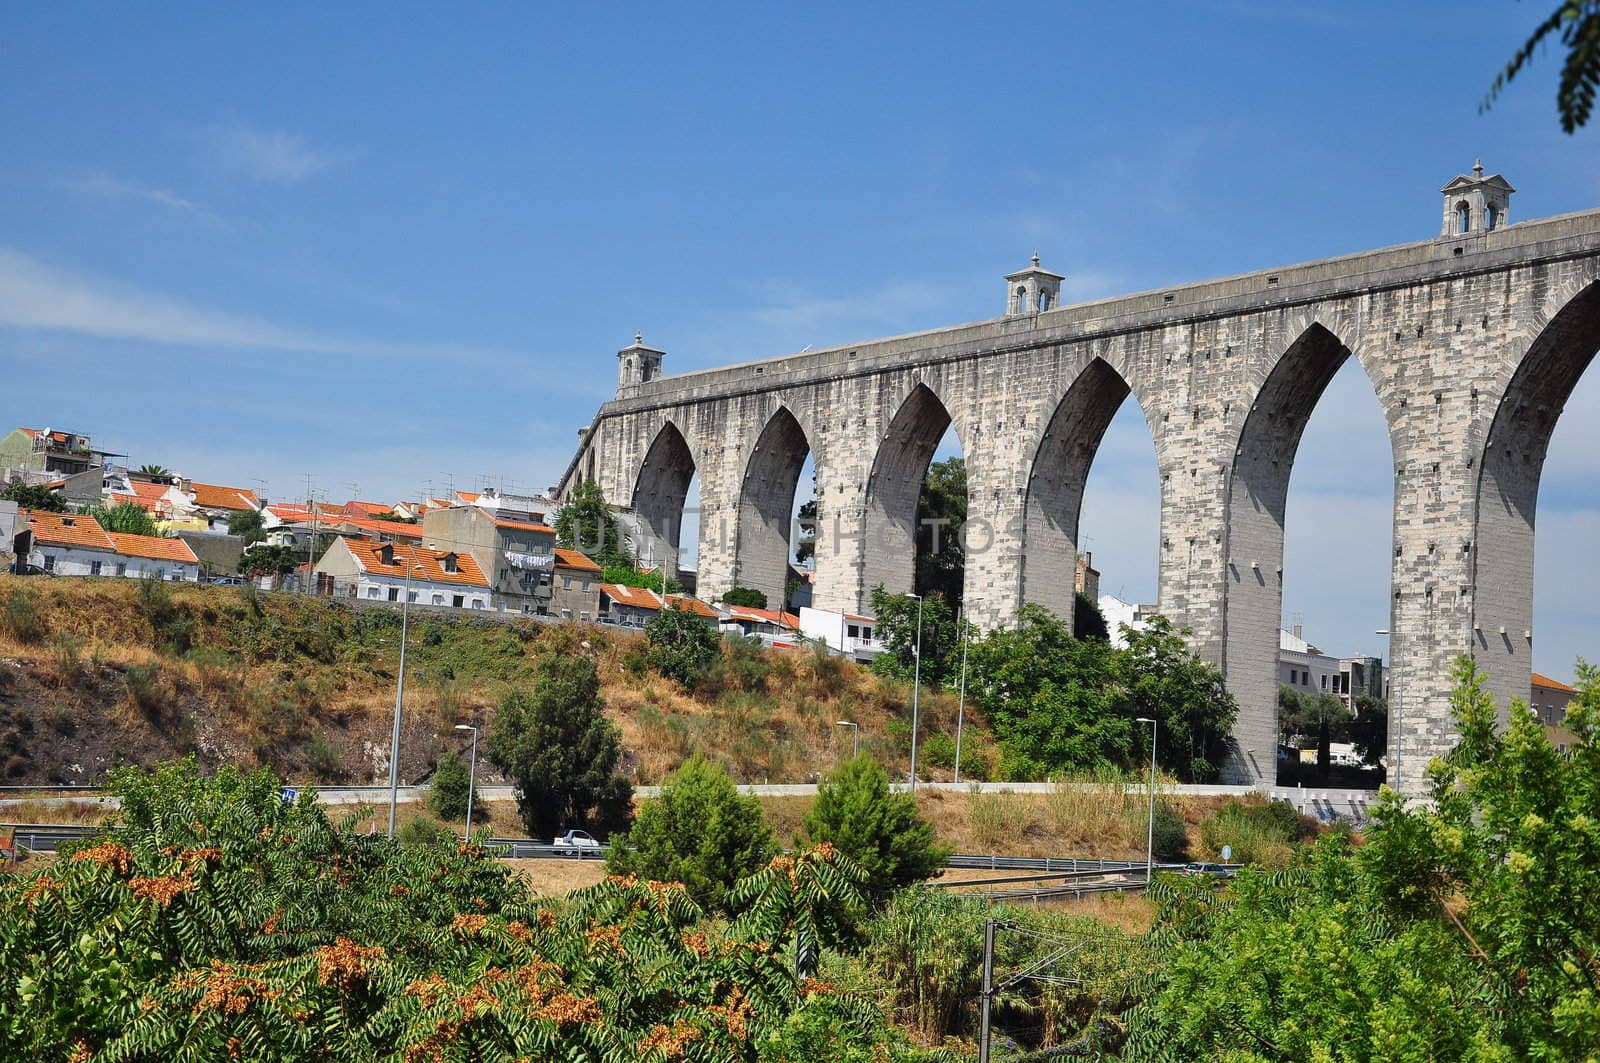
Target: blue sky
{"type": "Point", "coordinates": [396, 247]}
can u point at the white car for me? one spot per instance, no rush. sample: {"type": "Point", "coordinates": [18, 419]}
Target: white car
{"type": "Point", "coordinates": [580, 842]}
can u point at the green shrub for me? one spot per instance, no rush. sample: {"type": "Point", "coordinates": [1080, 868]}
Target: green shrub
{"type": "Point", "coordinates": [1171, 838]}
{"type": "Point", "coordinates": [420, 830]}
{"type": "Point", "coordinates": [699, 832]}
{"type": "Point", "coordinates": [20, 616]}
{"type": "Point", "coordinates": [447, 793]}
{"type": "Point", "coordinates": [323, 759]}
{"type": "Point", "coordinates": [1255, 831]}
{"type": "Point", "coordinates": [680, 645]}
{"type": "Point", "coordinates": [171, 623]}
{"type": "Point", "coordinates": [748, 597]}
{"type": "Point", "coordinates": [145, 689]}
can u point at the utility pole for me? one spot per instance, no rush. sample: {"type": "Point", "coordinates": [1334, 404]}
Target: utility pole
{"type": "Point", "coordinates": [988, 990]}
{"type": "Point", "coordinates": [311, 545]}
{"type": "Point", "coordinates": [399, 701]}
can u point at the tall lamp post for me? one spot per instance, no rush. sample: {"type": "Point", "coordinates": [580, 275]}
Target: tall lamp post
{"type": "Point", "coordinates": [855, 749]}
{"type": "Point", "coordinates": [916, 692]}
{"type": "Point", "coordinates": [961, 702]}
{"type": "Point", "coordinates": [472, 776]}
{"type": "Point", "coordinates": [1150, 836]}
{"type": "Point", "coordinates": [399, 700]}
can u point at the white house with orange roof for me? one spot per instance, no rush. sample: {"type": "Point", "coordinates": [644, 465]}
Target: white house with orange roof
{"type": "Point", "coordinates": [74, 544]}
{"type": "Point", "coordinates": [206, 507]}
{"type": "Point", "coordinates": [850, 634]}
{"type": "Point", "coordinates": [575, 586]}
{"type": "Point", "coordinates": [773, 627]}
{"type": "Point", "coordinates": [1549, 698]}
{"type": "Point", "coordinates": [395, 572]}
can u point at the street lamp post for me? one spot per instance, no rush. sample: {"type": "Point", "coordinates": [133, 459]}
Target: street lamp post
{"type": "Point", "coordinates": [399, 699]}
{"type": "Point", "coordinates": [1150, 835]}
{"type": "Point", "coordinates": [472, 776]}
{"type": "Point", "coordinates": [916, 693]}
{"type": "Point", "coordinates": [855, 749]}
{"type": "Point", "coordinates": [961, 702]}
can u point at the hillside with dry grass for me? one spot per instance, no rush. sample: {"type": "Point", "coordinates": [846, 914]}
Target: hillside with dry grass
{"type": "Point", "coordinates": [98, 672]}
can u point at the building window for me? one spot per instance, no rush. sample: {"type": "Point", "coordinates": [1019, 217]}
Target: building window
{"type": "Point", "coordinates": [94, 568]}
{"type": "Point", "coordinates": [1022, 299]}
{"type": "Point", "coordinates": [477, 603]}
{"type": "Point", "coordinates": [394, 594]}
{"type": "Point", "coordinates": [438, 599]}
{"type": "Point", "coordinates": [1044, 301]}
{"type": "Point", "coordinates": [49, 562]}
{"type": "Point", "coordinates": [566, 583]}
{"type": "Point", "coordinates": [122, 568]}
{"type": "Point", "coordinates": [566, 614]}
{"type": "Point", "coordinates": [411, 596]}
{"type": "Point", "coordinates": [1492, 218]}
{"type": "Point", "coordinates": [854, 631]}
{"type": "Point", "coordinates": [456, 600]}
{"type": "Point", "coordinates": [1463, 216]}
{"type": "Point", "coordinates": [584, 616]}
{"type": "Point", "coordinates": [372, 592]}
{"type": "Point", "coordinates": [1324, 681]}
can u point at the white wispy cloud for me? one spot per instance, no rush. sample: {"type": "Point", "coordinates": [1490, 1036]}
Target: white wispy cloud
{"type": "Point", "coordinates": [264, 154]}
{"type": "Point", "coordinates": [34, 295]}
{"type": "Point", "coordinates": [105, 186]}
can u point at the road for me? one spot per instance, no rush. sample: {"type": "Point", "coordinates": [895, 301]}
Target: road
{"type": "Point", "coordinates": [1325, 804]}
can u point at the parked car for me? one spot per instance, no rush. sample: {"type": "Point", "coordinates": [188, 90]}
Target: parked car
{"type": "Point", "coordinates": [227, 581]}
{"type": "Point", "coordinates": [1203, 870]}
{"type": "Point", "coordinates": [22, 568]}
{"type": "Point", "coordinates": [581, 842]}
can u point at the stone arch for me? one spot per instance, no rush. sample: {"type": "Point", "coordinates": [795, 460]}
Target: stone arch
{"type": "Point", "coordinates": [659, 491]}
{"type": "Point", "coordinates": [1056, 481]}
{"type": "Point", "coordinates": [1512, 461]}
{"type": "Point", "coordinates": [893, 487]}
{"type": "Point", "coordinates": [1256, 501]}
{"type": "Point", "coordinates": [766, 496]}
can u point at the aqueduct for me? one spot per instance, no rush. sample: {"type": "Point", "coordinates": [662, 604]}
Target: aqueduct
{"type": "Point", "coordinates": [1472, 342]}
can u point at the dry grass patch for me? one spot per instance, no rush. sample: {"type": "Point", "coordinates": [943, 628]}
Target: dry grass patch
{"type": "Point", "coordinates": [558, 877]}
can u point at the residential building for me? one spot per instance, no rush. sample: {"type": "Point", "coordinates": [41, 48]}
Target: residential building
{"type": "Point", "coordinates": [849, 634]}
{"type": "Point", "coordinates": [202, 507]}
{"type": "Point", "coordinates": [775, 629]}
{"type": "Point", "coordinates": [636, 606]}
{"type": "Point", "coordinates": [48, 452]}
{"type": "Point", "coordinates": [11, 522]}
{"type": "Point", "coordinates": [516, 552]}
{"type": "Point", "coordinates": [74, 544]}
{"type": "Point", "coordinates": [1119, 614]}
{"type": "Point", "coordinates": [1307, 669]}
{"type": "Point", "coordinates": [1085, 578]}
{"type": "Point", "coordinates": [1549, 698]}
{"type": "Point", "coordinates": [575, 586]}
{"type": "Point", "coordinates": [384, 572]}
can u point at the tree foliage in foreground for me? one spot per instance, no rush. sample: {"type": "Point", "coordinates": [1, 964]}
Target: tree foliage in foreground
{"type": "Point", "coordinates": [125, 518]}
{"type": "Point", "coordinates": [1468, 929]}
{"type": "Point", "coordinates": [553, 741]}
{"type": "Point", "coordinates": [680, 645]}
{"type": "Point", "coordinates": [1577, 23]}
{"type": "Point", "coordinates": [33, 496]}
{"type": "Point", "coordinates": [224, 923]}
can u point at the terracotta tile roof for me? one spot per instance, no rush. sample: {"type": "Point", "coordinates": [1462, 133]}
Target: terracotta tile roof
{"type": "Point", "coordinates": [522, 525]}
{"type": "Point", "coordinates": [693, 605]}
{"type": "Point", "coordinates": [634, 597]}
{"type": "Point", "coordinates": [68, 529]}
{"type": "Point", "coordinates": [574, 559]}
{"type": "Point", "coordinates": [152, 491]}
{"type": "Point", "coordinates": [764, 616]}
{"type": "Point", "coordinates": [55, 437]}
{"type": "Point", "coordinates": [366, 509]}
{"type": "Point", "coordinates": [468, 497]}
{"type": "Point", "coordinates": [1550, 684]}
{"type": "Point", "coordinates": [214, 496]}
{"type": "Point", "coordinates": [423, 563]}
{"type": "Point", "coordinates": [149, 505]}
{"type": "Point", "coordinates": [152, 546]}
{"type": "Point", "coordinates": [398, 528]}
{"type": "Point", "coordinates": [859, 618]}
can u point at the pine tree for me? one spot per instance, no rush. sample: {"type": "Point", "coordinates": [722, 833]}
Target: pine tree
{"type": "Point", "coordinates": [560, 752]}
{"type": "Point", "coordinates": [878, 830]}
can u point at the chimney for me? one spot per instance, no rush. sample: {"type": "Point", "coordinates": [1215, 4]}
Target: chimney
{"type": "Point", "coordinates": [1299, 631]}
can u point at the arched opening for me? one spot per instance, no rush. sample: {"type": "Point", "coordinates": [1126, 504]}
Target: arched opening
{"type": "Point", "coordinates": [1065, 517]}
{"type": "Point", "coordinates": [942, 534]}
{"type": "Point", "coordinates": [1022, 300]}
{"type": "Point", "coordinates": [1317, 415]}
{"type": "Point", "coordinates": [1044, 301]}
{"type": "Point", "coordinates": [1514, 460]}
{"type": "Point", "coordinates": [1492, 218]}
{"type": "Point", "coordinates": [893, 490]}
{"type": "Point", "coordinates": [1463, 217]}
{"type": "Point", "coordinates": [659, 497]}
{"type": "Point", "coordinates": [767, 505]}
